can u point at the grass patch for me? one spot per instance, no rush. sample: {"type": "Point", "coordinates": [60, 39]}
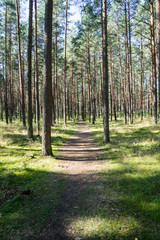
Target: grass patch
{"type": "Point", "coordinates": [30, 187]}
{"type": "Point", "coordinates": [124, 201]}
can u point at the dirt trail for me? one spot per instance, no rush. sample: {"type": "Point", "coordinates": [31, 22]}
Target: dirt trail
{"type": "Point", "coordinates": [78, 159]}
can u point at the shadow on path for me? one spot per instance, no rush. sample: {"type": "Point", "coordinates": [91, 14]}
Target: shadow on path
{"type": "Point", "coordinates": [79, 160]}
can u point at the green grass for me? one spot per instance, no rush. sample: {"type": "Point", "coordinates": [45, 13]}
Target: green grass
{"type": "Point", "coordinates": [22, 168]}
{"type": "Point", "coordinates": [124, 202]}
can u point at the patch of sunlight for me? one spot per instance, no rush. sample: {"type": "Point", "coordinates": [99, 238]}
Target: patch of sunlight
{"type": "Point", "coordinates": [150, 206]}
{"type": "Point", "coordinates": [112, 166]}
{"type": "Point", "coordinates": [105, 227]}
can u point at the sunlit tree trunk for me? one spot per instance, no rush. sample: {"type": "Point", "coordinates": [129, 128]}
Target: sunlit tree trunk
{"type": "Point", "coordinates": [105, 74]}
{"type": "Point", "coordinates": [158, 44]}
{"type": "Point", "coordinates": [10, 76]}
{"type": "Point", "coordinates": [94, 92]}
{"type": "Point", "coordinates": [65, 62]}
{"type": "Point", "coordinates": [6, 72]}
{"type": "Point", "coordinates": [89, 81]}
{"type": "Point", "coordinates": [154, 82]}
{"type": "Point", "coordinates": [1, 97]}
{"type": "Point", "coordinates": [121, 76]}
{"type": "Point", "coordinates": [130, 67]}
{"type": "Point", "coordinates": [142, 79]}
{"type": "Point", "coordinates": [36, 68]}
{"type": "Point", "coordinates": [114, 95]}
{"type": "Point", "coordinates": [29, 82]}
{"type": "Point", "coordinates": [77, 96]}
{"type": "Point", "coordinates": [127, 73]}
{"type": "Point", "coordinates": [21, 80]}
{"type": "Point", "coordinates": [111, 84]}
{"type": "Point", "coordinates": [82, 93]}
{"type": "Point", "coordinates": [47, 81]}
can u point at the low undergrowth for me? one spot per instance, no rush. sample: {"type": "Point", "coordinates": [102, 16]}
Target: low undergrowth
{"type": "Point", "coordinates": [30, 187]}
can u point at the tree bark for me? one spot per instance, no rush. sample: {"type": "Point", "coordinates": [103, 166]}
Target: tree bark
{"type": "Point", "coordinates": [127, 74]}
{"type": "Point", "coordinates": [94, 92]}
{"type": "Point", "coordinates": [10, 76]}
{"type": "Point", "coordinates": [29, 82]}
{"type": "Point", "coordinates": [154, 82]}
{"type": "Point", "coordinates": [89, 82]}
{"type": "Point", "coordinates": [111, 84]}
{"type": "Point", "coordinates": [56, 71]}
{"type": "Point", "coordinates": [65, 62]}
{"type": "Point", "coordinates": [105, 74]}
{"type": "Point", "coordinates": [142, 79]}
{"type": "Point", "coordinates": [36, 68]}
{"type": "Point", "coordinates": [121, 76]}
{"type": "Point", "coordinates": [21, 80]}
{"type": "Point", "coordinates": [158, 44]}
{"type": "Point", "coordinates": [47, 81]}
{"type": "Point", "coordinates": [82, 93]}
{"type": "Point", "coordinates": [130, 67]}
{"type": "Point", "coordinates": [6, 72]}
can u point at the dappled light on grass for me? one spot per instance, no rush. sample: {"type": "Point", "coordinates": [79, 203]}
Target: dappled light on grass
{"type": "Point", "coordinates": [106, 228]}
{"type": "Point", "coordinates": [30, 187]}
{"type": "Point", "coordinates": [129, 202]}
{"type": "Point", "coordinates": [118, 200]}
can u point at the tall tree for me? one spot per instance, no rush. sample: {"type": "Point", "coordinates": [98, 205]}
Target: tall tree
{"type": "Point", "coordinates": [47, 81]}
{"type": "Point", "coordinates": [21, 79]}
{"type": "Point", "coordinates": [65, 62]}
{"type": "Point", "coordinates": [6, 72]}
{"type": "Point", "coordinates": [142, 78]}
{"type": "Point", "coordinates": [105, 73]}
{"type": "Point", "coordinates": [36, 68]}
{"type": "Point", "coordinates": [154, 81]}
{"type": "Point", "coordinates": [158, 43]}
{"type": "Point", "coordinates": [29, 82]}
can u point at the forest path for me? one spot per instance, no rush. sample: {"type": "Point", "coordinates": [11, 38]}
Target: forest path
{"type": "Point", "coordinates": [79, 161]}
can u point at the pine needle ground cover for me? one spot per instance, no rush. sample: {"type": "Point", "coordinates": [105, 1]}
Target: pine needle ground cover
{"type": "Point", "coordinates": [30, 187]}
{"type": "Point", "coordinates": [124, 201]}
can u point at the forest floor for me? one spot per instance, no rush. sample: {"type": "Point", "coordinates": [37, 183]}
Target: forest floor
{"type": "Point", "coordinates": [91, 191]}
{"type": "Point", "coordinates": [79, 160]}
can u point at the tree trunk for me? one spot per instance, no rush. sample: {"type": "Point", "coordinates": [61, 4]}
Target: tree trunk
{"type": "Point", "coordinates": [82, 93]}
{"type": "Point", "coordinates": [36, 67]}
{"type": "Point", "coordinates": [121, 76]}
{"type": "Point", "coordinates": [47, 81]}
{"type": "Point", "coordinates": [77, 101]}
{"type": "Point", "coordinates": [56, 72]}
{"type": "Point", "coordinates": [10, 76]}
{"type": "Point", "coordinates": [114, 95]}
{"type": "Point", "coordinates": [65, 61]}
{"type": "Point", "coordinates": [158, 44]}
{"type": "Point", "coordinates": [1, 99]}
{"type": "Point", "coordinates": [111, 84]}
{"type": "Point", "coordinates": [105, 74]}
{"type": "Point", "coordinates": [29, 82]}
{"type": "Point", "coordinates": [154, 82]}
{"type": "Point", "coordinates": [127, 73]}
{"type": "Point", "coordinates": [94, 91]}
{"type": "Point", "coordinates": [6, 72]}
{"type": "Point", "coordinates": [130, 67]}
{"type": "Point", "coordinates": [21, 80]}
{"type": "Point", "coordinates": [142, 79]}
